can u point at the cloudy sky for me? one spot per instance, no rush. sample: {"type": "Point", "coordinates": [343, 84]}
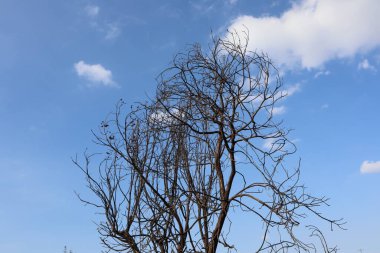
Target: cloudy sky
{"type": "Point", "coordinates": [65, 64]}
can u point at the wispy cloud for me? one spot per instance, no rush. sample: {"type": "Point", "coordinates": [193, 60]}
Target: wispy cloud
{"type": "Point", "coordinates": [278, 110]}
{"type": "Point", "coordinates": [268, 143]}
{"type": "Point", "coordinates": [369, 167]}
{"type": "Point", "coordinates": [313, 32]}
{"type": "Point", "coordinates": [289, 91]}
{"type": "Point", "coordinates": [92, 10]}
{"type": "Point", "coordinates": [365, 65]}
{"type": "Point", "coordinates": [202, 6]}
{"type": "Point", "coordinates": [322, 73]}
{"type": "Point", "coordinates": [285, 93]}
{"type": "Point", "coordinates": [112, 31]}
{"type": "Point", "coordinates": [96, 74]}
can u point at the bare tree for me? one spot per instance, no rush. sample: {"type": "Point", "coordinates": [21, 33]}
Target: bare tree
{"type": "Point", "coordinates": [172, 169]}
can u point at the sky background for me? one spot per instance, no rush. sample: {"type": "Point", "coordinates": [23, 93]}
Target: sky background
{"type": "Point", "coordinates": [65, 64]}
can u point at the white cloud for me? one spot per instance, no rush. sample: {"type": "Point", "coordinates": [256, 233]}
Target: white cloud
{"type": "Point", "coordinates": [164, 117]}
{"type": "Point", "coordinates": [95, 73]}
{"type": "Point", "coordinates": [365, 65]}
{"type": "Point", "coordinates": [203, 6]}
{"type": "Point", "coordinates": [322, 73]}
{"type": "Point", "coordinates": [112, 31]}
{"type": "Point", "coordinates": [267, 144]}
{"type": "Point", "coordinates": [292, 89]}
{"type": "Point", "coordinates": [232, 1]}
{"type": "Point", "coordinates": [92, 10]}
{"type": "Point", "coordinates": [273, 144]}
{"type": "Point", "coordinates": [286, 93]}
{"type": "Point", "coordinates": [277, 110]}
{"type": "Point", "coordinates": [313, 32]}
{"type": "Point", "coordinates": [368, 167]}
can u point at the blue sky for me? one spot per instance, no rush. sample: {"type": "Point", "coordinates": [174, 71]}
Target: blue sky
{"type": "Point", "coordinates": [65, 64]}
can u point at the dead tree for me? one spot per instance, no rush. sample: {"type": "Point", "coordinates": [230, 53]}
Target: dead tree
{"type": "Point", "coordinates": [170, 170]}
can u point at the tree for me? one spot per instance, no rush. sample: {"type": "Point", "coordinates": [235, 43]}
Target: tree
{"type": "Point", "coordinates": [172, 169]}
